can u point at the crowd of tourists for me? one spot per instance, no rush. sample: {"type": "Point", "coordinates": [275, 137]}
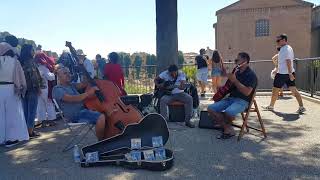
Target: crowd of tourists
{"type": "Point", "coordinates": [27, 79]}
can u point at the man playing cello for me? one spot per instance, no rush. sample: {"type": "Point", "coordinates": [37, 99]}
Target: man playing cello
{"type": "Point", "coordinates": [71, 102]}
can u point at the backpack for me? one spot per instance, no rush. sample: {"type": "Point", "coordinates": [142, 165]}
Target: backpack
{"type": "Point", "coordinates": [33, 78]}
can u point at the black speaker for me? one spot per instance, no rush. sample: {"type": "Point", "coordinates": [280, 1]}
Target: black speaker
{"type": "Point", "coordinates": [131, 100]}
{"type": "Point", "coordinates": [176, 113]}
{"type": "Point", "coordinates": [206, 121]}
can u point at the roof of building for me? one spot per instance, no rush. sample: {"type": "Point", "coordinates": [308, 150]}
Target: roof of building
{"type": "Point", "coordinates": [214, 25]}
{"type": "Point", "coordinates": [303, 3]}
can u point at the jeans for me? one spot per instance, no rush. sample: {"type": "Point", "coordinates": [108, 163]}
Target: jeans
{"type": "Point", "coordinates": [202, 75]}
{"type": "Point", "coordinates": [185, 98]}
{"type": "Point", "coordinates": [86, 116]}
{"type": "Point", "coordinates": [30, 103]}
{"type": "Point", "coordinates": [231, 106]}
{"type": "Point", "coordinates": [216, 72]}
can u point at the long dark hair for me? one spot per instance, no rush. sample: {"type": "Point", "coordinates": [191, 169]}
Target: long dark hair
{"type": "Point", "coordinates": [216, 57]}
{"type": "Point", "coordinates": [113, 57]}
{"type": "Point", "coordinates": [26, 53]}
{"type": "Point", "coordinates": [9, 53]}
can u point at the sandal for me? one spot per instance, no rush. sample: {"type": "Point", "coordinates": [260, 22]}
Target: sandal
{"type": "Point", "coordinates": [217, 127]}
{"type": "Point", "coordinates": [34, 135]}
{"type": "Point", "coordinates": [225, 136]}
{"type": "Point", "coordinates": [48, 123]}
{"type": "Point", "coordinates": [268, 108]}
{"type": "Point", "coordinates": [40, 125]}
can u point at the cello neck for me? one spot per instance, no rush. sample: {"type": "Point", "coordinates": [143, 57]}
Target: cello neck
{"type": "Point", "coordinates": [90, 80]}
{"type": "Point", "coordinates": [81, 66]}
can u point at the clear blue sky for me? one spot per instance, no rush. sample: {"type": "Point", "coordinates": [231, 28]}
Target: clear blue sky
{"type": "Point", "coordinates": [102, 26]}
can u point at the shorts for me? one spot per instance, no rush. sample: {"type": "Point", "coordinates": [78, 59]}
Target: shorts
{"type": "Point", "coordinates": [86, 116]}
{"type": "Point", "coordinates": [216, 72]}
{"type": "Point", "coordinates": [202, 75]}
{"type": "Point", "coordinates": [231, 106]}
{"type": "Point", "coordinates": [283, 79]}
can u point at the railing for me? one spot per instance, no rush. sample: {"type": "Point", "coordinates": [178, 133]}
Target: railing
{"type": "Point", "coordinates": [308, 75]}
{"type": "Point", "coordinates": [140, 79]}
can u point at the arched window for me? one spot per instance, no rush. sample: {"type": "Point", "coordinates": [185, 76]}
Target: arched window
{"type": "Point", "coordinates": [262, 27]}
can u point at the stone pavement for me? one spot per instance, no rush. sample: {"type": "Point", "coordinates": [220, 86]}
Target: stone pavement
{"type": "Point", "coordinates": [291, 151]}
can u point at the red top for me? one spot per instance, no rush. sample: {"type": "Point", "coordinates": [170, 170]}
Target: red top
{"type": "Point", "coordinates": [113, 72]}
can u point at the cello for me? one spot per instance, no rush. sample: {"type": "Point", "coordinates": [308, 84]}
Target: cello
{"type": "Point", "coordinates": [107, 100]}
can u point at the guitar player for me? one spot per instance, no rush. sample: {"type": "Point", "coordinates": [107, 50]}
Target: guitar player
{"type": "Point", "coordinates": [244, 82]}
{"type": "Point", "coordinates": [177, 94]}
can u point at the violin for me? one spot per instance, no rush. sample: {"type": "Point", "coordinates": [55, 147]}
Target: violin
{"type": "Point", "coordinates": [107, 101]}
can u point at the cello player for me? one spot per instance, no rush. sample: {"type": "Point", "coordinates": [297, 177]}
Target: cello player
{"type": "Point", "coordinates": [71, 102]}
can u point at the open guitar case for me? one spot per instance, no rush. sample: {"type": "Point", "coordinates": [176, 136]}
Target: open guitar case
{"type": "Point", "coordinates": [112, 151]}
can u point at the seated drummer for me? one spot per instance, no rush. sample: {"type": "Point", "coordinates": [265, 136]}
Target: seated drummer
{"type": "Point", "coordinates": [244, 82]}
{"type": "Point", "coordinates": [178, 94]}
{"type": "Point", "coordinates": [71, 102]}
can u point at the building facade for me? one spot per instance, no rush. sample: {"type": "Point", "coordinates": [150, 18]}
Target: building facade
{"type": "Point", "coordinates": [252, 26]}
{"type": "Point", "coordinates": [315, 46]}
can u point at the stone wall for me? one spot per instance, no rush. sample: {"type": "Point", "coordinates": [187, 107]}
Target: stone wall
{"type": "Point", "coordinates": [236, 29]}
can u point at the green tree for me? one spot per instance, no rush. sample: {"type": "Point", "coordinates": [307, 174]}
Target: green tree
{"type": "Point", "coordinates": [180, 58]}
{"type": "Point", "coordinates": [151, 68]}
{"type": "Point", "coordinates": [125, 61]}
{"type": "Point", "coordinates": [137, 64]}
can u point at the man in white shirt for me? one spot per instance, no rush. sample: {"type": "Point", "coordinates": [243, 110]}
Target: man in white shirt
{"type": "Point", "coordinates": [177, 94]}
{"type": "Point", "coordinates": [285, 74]}
{"type": "Point", "coordinates": [86, 63]}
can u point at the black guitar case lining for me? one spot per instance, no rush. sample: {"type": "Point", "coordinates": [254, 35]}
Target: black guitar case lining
{"type": "Point", "coordinates": [131, 100]}
{"type": "Point", "coordinates": [152, 125]}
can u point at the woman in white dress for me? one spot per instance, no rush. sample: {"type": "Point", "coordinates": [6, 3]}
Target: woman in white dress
{"type": "Point", "coordinates": [13, 126]}
{"type": "Point", "coordinates": [45, 112]}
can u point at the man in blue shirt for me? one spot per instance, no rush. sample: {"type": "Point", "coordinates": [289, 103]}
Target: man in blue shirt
{"type": "Point", "coordinates": [71, 102]}
{"type": "Point", "coordinates": [244, 82]}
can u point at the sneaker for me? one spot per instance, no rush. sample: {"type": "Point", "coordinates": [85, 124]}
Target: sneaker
{"type": "Point", "coordinates": [267, 108]}
{"type": "Point", "coordinates": [11, 143]}
{"type": "Point", "coordinates": [190, 125]}
{"type": "Point", "coordinates": [301, 110]}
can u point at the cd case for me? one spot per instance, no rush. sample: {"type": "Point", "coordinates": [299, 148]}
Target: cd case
{"type": "Point", "coordinates": [157, 141]}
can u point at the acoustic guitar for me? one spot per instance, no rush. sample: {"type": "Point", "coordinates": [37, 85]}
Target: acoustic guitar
{"type": "Point", "coordinates": [228, 86]}
{"type": "Point", "coordinates": [167, 87]}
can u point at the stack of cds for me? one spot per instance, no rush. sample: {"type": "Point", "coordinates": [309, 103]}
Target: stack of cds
{"type": "Point", "coordinates": [157, 153]}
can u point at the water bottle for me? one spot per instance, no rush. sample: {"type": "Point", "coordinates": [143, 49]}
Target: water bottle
{"type": "Point", "coordinates": [76, 154]}
{"type": "Point", "coordinates": [195, 113]}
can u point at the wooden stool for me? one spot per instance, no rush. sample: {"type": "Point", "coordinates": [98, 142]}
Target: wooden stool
{"type": "Point", "coordinates": [176, 112]}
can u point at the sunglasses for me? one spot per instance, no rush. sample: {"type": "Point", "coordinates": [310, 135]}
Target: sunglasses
{"type": "Point", "coordinates": [278, 40]}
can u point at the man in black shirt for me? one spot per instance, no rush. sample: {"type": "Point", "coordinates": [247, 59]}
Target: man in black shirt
{"type": "Point", "coordinates": [202, 73]}
{"type": "Point", "coordinates": [244, 82]}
